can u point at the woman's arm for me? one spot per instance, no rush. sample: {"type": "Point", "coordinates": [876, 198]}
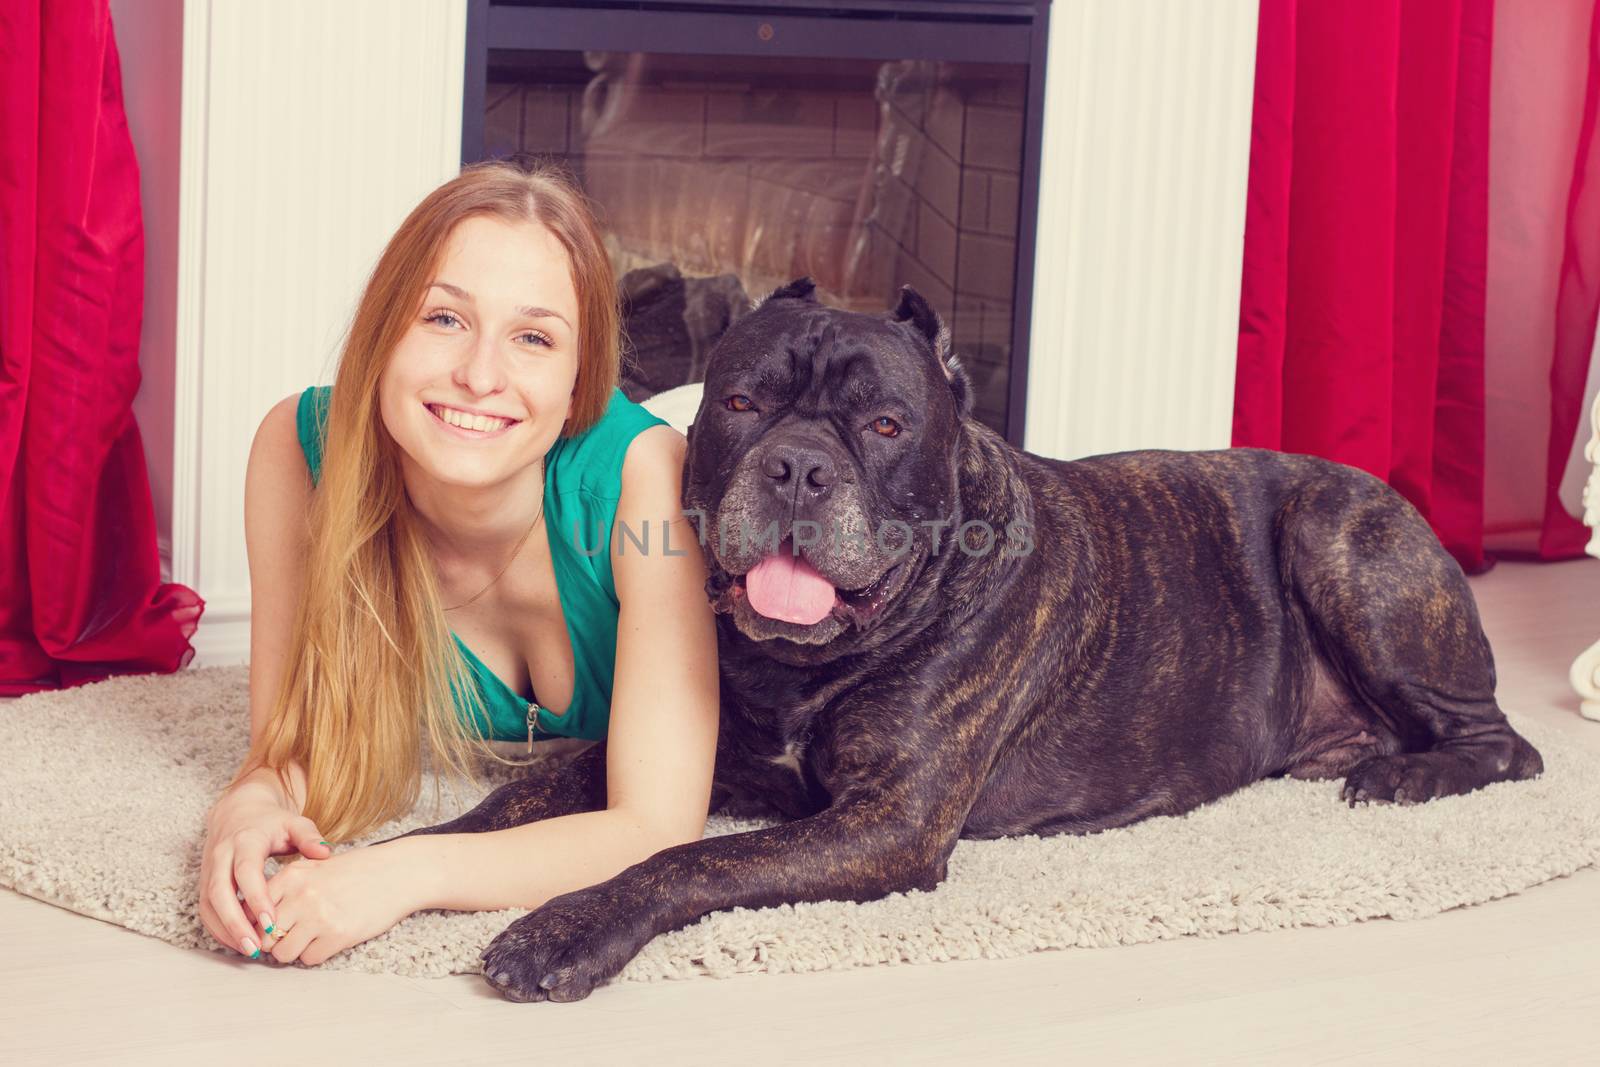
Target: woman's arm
{"type": "Point", "coordinates": [661, 742]}
{"type": "Point", "coordinates": [277, 497]}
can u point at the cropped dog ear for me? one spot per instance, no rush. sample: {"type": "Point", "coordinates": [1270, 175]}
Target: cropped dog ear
{"type": "Point", "coordinates": [960, 386]}
{"type": "Point", "coordinates": [913, 308]}
{"type": "Point", "coordinates": [803, 289]}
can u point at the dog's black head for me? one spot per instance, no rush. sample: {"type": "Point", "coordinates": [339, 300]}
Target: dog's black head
{"type": "Point", "coordinates": [822, 459]}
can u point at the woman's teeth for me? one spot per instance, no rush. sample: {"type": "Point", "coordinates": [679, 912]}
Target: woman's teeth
{"type": "Point", "coordinates": [481, 423]}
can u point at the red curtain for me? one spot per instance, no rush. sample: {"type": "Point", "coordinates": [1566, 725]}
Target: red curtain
{"type": "Point", "coordinates": [1366, 295]}
{"type": "Point", "coordinates": [1561, 534]}
{"type": "Point", "coordinates": [80, 590]}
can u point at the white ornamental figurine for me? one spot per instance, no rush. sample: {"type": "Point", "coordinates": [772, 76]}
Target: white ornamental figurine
{"type": "Point", "coordinates": [1586, 668]}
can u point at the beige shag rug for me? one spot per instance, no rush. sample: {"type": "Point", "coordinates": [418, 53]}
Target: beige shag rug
{"type": "Point", "coordinates": [106, 787]}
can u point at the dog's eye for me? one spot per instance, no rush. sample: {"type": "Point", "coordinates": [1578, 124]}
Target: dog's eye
{"type": "Point", "coordinates": [739, 402]}
{"type": "Point", "coordinates": [887, 426]}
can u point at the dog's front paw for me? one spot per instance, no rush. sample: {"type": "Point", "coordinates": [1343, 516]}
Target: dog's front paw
{"type": "Point", "coordinates": [1406, 778]}
{"type": "Point", "coordinates": [566, 948]}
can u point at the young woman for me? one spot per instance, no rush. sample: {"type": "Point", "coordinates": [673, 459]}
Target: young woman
{"type": "Point", "coordinates": [431, 556]}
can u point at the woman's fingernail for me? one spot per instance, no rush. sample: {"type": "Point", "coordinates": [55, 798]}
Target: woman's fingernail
{"type": "Point", "coordinates": [266, 924]}
{"type": "Point", "coordinates": [250, 948]}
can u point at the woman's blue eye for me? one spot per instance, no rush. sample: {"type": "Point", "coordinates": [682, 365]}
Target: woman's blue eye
{"type": "Point", "coordinates": [450, 317]}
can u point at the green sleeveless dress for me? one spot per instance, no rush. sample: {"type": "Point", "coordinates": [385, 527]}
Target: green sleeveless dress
{"type": "Point", "coordinates": [583, 480]}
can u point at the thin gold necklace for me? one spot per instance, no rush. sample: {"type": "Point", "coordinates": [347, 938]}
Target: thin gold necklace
{"type": "Point", "coordinates": [539, 515]}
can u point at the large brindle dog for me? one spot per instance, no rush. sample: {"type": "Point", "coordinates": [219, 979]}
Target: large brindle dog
{"type": "Point", "coordinates": [955, 638]}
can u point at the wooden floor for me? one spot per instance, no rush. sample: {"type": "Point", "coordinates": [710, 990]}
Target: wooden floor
{"type": "Point", "coordinates": [1516, 980]}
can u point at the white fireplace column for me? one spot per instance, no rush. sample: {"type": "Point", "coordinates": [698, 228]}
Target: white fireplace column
{"type": "Point", "coordinates": [1142, 184]}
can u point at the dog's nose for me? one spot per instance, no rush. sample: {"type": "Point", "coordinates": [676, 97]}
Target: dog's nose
{"type": "Point", "coordinates": [788, 462]}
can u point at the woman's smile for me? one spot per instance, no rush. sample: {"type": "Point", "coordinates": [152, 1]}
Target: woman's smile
{"type": "Point", "coordinates": [467, 425]}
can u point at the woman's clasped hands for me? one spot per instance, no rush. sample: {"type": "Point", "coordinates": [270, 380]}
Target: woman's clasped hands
{"type": "Point", "coordinates": [322, 907]}
{"type": "Point", "coordinates": [309, 910]}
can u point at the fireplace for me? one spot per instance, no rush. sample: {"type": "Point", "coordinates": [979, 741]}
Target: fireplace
{"type": "Point", "coordinates": [731, 147]}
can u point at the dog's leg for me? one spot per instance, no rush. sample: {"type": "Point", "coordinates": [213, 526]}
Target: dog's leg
{"type": "Point", "coordinates": [866, 848]}
{"type": "Point", "coordinates": [577, 785]}
{"type": "Point", "coordinates": [1393, 613]}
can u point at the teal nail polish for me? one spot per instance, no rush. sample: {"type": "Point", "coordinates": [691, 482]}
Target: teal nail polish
{"type": "Point", "coordinates": [324, 843]}
{"type": "Point", "coordinates": [256, 954]}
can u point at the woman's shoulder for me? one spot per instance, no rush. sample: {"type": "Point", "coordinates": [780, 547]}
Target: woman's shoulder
{"type": "Point", "coordinates": [591, 462]}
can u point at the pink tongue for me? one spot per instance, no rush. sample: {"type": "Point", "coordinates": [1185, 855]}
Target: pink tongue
{"type": "Point", "coordinates": [784, 586]}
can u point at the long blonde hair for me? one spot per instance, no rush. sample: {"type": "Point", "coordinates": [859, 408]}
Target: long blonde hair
{"type": "Point", "coordinates": [372, 664]}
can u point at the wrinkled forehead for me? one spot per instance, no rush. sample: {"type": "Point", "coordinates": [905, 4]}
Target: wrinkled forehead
{"type": "Point", "coordinates": [791, 347]}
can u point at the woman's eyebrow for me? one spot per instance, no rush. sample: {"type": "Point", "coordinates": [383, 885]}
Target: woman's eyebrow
{"type": "Point", "coordinates": [531, 312]}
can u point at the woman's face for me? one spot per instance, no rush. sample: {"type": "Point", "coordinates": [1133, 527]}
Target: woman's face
{"type": "Point", "coordinates": [482, 380]}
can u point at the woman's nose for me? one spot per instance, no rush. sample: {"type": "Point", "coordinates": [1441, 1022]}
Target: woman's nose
{"type": "Point", "coordinates": [480, 370]}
